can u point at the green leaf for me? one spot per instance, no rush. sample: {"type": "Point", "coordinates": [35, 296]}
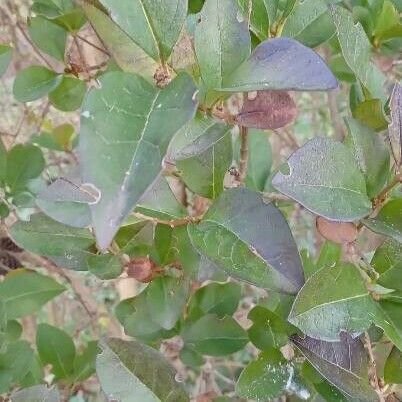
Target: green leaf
{"type": "Point", "coordinates": [204, 162]}
{"type": "Point", "coordinates": [388, 221]}
{"type": "Point", "coordinates": [344, 364]}
{"type": "Point", "coordinates": [395, 127]}
{"type": "Point", "coordinates": [121, 147]}
{"type": "Point", "coordinates": [269, 330]}
{"type": "Point", "coordinates": [60, 138]}
{"type": "Point", "coordinates": [130, 368]}
{"type": "Point", "coordinates": [104, 266]}
{"type": "Point", "coordinates": [24, 162]}
{"type": "Point", "coordinates": [388, 24]}
{"type": "Point", "coordinates": [215, 298]}
{"type": "Point", "coordinates": [222, 41]}
{"type": "Point", "coordinates": [370, 112]}
{"type": "Point", "coordinates": [24, 292]}
{"type": "Point", "coordinates": [166, 298]}
{"type": "Point", "coordinates": [266, 256]}
{"type": "Point", "coordinates": [371, 154]}
{"type": "Point", "coordinates": [35, 82]}
{"type": "Point", "coordinates": [15, 364]}
{"type": "Point", "coordinates": [265, 378]}
{"type": "Point", "coordinates": [330, 254]}
{"type": "Point", "coordinates": [154, 26]}
{"type": "Point", "coordinates": [84, 363]}
{"type": "Point", "coordinates": [262, 15]}
{"type": "Point", "coordinates": [337, 292]}
{"type": "Point", "coordinates": [48, 36]}
{"type": "Point", "coordinates": [393, 367]}
{"type": "Point", "coordinates": [68, 96]}
{"type": "Point", "coordinates": [127, 54]}
{"type": "Point", "coordinates": [281, 64]}
{"type": "Point", "coordinates": [37, 393]}
{"type": "Point", "coordinates": [44, 236]}
{"type": "Point", "coordinates": [356, 50]}
{"type": "Point", "coordinates": [213, 336]}
{"type": "Point", "coordinates": [325, 179]}
{"type": "Point", "coordinates": [56, 347]}
{"type": "Point", "coordinates": [6, 54]}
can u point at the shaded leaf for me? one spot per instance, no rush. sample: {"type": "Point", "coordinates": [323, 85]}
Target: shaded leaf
{"type": "Point", "coordinates": [24, 292]}
{"type": "Point", "coordinates": [395, 105]}
{"type": "Point", "coordinates": [265, 378]}
{"type": "Point", "coordinates": [121, 147]}
{"type": "Point", "coordinates": [35, 82]}
{"type": "Point", "coordinates": [127, 368]}
{"type": "Point", "coordinates": [370, 112]}
{"type": "Point", "coordinates": [371, 154]}
{"type": "Point", "coordinates": [84, 363]}
{"type": "Point", "coordinates": [61, 138]}
{"type": "Point", "coordinates": [393, 367]}
{"type": "Point", "coordinates": [344, 364]}
{"type": "Point", "coordinates": [6, 54]}
{"type": "Point", "coordinates": [267, 110]}
{"type": "Point", "coordinates": [213, 336]}
{"type": "Point", "coordinates": [324, 178]}
{"type": "Point", "coordinates": [104, 266]}
{"type": "Point", "coordinates": [222, 41]}
{"type": "Point", "coordinates": [265, 256]}
{"type": "Point", "coordinates": [56, 347]}
{"type": "Point", "coordinates": [337, 292]}
{"type": "Point", "coordinates": [68, 96]}
{"type": "Point", "coordinates": [37, 393]}
{"type": "Point", "coordinates": [337, 232]}
{"type": "Point", "coordinates": [388, 221]}
{"type": "Point", "coordinates": [281, 64]}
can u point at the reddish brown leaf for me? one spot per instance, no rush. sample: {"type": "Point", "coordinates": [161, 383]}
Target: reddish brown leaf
{"type": "Point", "coordinates": [267, 110]}
{"type": "Point", "coordinates": [141, 269]}
{"type": "Point", "coordinates": [338, 232]}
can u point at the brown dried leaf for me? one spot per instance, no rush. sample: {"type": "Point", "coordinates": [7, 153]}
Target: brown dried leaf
{"type": "Point", "coordinates": [338, 232]}
{"type": "Point", "coordinates": [267, 110]}
{"type": "Point", "coordinates": [142, 269]}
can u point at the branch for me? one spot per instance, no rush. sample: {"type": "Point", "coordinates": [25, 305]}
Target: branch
{"type": "Point", "coordinates": [174, 223]}
{"type": "Point", "coordinates": [243, 154]}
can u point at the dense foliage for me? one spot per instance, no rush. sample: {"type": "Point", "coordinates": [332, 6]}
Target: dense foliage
{"type": "Point", "coordinates": [237, 163]}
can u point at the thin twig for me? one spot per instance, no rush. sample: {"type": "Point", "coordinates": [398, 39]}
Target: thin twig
{"type": "Point", "coordinates": [104, 51]}
{"type": "Point", "coordinates": [383, 195]}
{"type": "Point", "coordinates": [174, 223]}
{"type": "Point", "coordinates": [243, 163]}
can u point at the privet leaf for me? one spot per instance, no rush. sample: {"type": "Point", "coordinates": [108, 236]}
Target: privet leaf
{"type": "Point", "coordinates": [281, 64]}
{"type": "Point", "coordinates": [44, 236]}
{"type": "Point", "coordinates": [215, 336]}
{"type": "Point", "coordinates": [127, 368]}
{"type": "Point", "coordinates": [6, 54]}
{"type": "Point", "coordinates": [24, 292]}
{"type": "Point", "coordinates": [104, 266]}
{"type": "Point", "coordinates": [56, 347]}
{"type": "Point", "coordinates": [344, 364]}
{"type": "Point", "coordinates": [388, 317]}
{"type": "Point", "coordinates": [265, 378]}
{"type": "Point", "coordinates": [371, 154]}
{"type": "Point", "coordinates": [262, 252]}
{"type": "Point", "coordinates": [68, 96]}
{"type": "Point", "coordinates": [324, 178]}
{"type": "Point", "coordinates": [127, 54]}
{"type": "Point", "coordinates": [222, 41]}
{"type": "Point", "coordinates": [84, 363]}
{"type": "Point", "coordinates": [121, 147]}
{"type": "Point", "coordinates": [262, 15]}
{"type": "Point", "coordinates": [267, 110]}
{"type": "Point", "coordinates": [336, 292]}
{"type": "Point", "coordinates": [35, 82]}
{"type": "Point", "coordinates": [154, 25]}
{"type": "Point", "coordinates": [393, 367]}
{"type": "Point", "coordinates": [388, 221]}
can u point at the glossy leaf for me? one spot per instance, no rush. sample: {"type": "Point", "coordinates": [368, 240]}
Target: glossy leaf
{"type": "Point", "coordinates": [213, 336]}
{"type": "Point", "coordinates": [388, 221]}
{"type": "Point", "coordinates": [55, 347]}
{"type": "Point", "coordinates": [153, 25]}
{"type": "Point", "coordinates": [44, 236]}
{"type": "Point", "coordinates": [127, 54]}
{"type": "Point", "coordinates": [337, 292]}
{"type": "Point", "coordinates": [265, 256]}
{"type": "Point", "coordinates": [6, 54]}
{"type": "Point", "coordinates": [266, 378]}
{"type": "Point", "coordinates": [121, 147]}
{"type": "Point", "coordinates": [324, 178]}
{"type": "Point", "coordinates": [222, 41]}
{"type": "Point", "coordinates": [68, 96]}
{"type": "Point", "coordinates": [37, 393]}
{"type": "Point", "coordinates": [267, 110]}
{"type": "Point", "coordinates": [127, 368]}
{"type": "Point", "coordinates": [344, 364]}
{"type": "Point", "coordinates": [24, 292]}
{"type": "Point", "coordinates": [371, 154]}
{"type": "Point", "coordinates": [48, 36]}
{"type": "Point", "coordinates": [35, 82]}
{"type": "Point", "coordinates": [281, 64]}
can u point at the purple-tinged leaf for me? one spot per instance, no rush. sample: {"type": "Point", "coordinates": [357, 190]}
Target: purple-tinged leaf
{"type": "Point", "coordinates": [281, 64]}
{"type": "Point", "coordinates": [344, 364]}
{"type": "Point", "coordinates": [267, 110]}
{"type": "Point", "coordinates": [395, 128]}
